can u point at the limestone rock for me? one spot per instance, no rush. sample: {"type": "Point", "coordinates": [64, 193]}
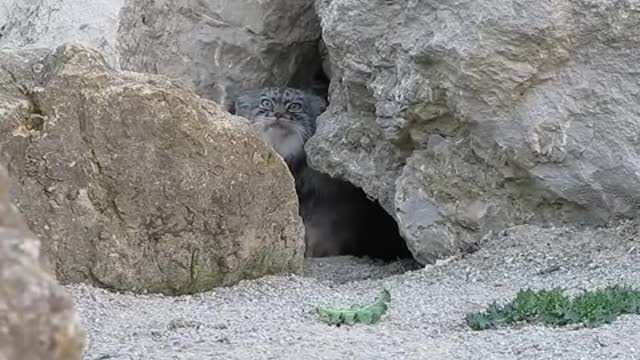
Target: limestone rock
{"type": "Point", "coordinates": [220, 46]}
{"type": "Point", "coordinates": [465, 117]}
{"type": "Point", "coordinates": [135, 183]}
{"type": "Point", "coordinates": [34, 24]}
{"type": "Point", "coordinates": [37, 317]}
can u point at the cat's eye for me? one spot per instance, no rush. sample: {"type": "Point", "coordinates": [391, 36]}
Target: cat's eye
{"type": "Point", "coordinates": [266, 103]}
{"type": "Point", "coordinates": [294, 107]}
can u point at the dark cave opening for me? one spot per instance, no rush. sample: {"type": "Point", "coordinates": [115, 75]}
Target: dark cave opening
{"type": "Point", "coordinates": [378, 233]}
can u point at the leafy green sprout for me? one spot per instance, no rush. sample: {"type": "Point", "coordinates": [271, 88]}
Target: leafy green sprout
{"type": "Point", "coordinates": [366, 314]}
{"type": "Point", "coordinates": [553, 307]}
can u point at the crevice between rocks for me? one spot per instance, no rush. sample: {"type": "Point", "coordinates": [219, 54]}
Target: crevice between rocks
{"type": "Point", "coordinates": [316, 75]}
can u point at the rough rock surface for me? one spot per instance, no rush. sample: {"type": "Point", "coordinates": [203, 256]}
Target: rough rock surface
{"type": "Point", "coordinates": [221, 46]}
{"type": "Point", "coordinates": [37, 316]}
{"type": "Point", "coordinates": [135, 183]}
{"type": "Point", "coordinates": [33, 24]}
{"type": "Point", "coordinates": [465, 117]}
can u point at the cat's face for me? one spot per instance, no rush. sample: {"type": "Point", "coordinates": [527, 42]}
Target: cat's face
{"type": "Point", "coordinates": [284, 117]}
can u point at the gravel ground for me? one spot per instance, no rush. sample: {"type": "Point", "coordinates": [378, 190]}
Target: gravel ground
{"type": "Point", "coordinates": [272, 317]}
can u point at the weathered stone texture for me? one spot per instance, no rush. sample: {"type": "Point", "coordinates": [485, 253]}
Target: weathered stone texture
{"type": "Point", "coordinates": [463, 118]}
{"type": "Point", "coordinates": [220, 46]}
{"type": "Point", "coordinates": [135, 183]}
{"type": "Point", "coordinates": [33, 24]}
{"type": "Point", "coordinates": [37, 317]}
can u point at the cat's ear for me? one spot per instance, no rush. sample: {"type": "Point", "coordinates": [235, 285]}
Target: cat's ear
{"type": "Point", "coordinates": [316, 104]}
{"type": "Point", "coordinates": [245, 103]}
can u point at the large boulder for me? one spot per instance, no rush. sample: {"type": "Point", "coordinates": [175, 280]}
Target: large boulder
{"type": "Point", "coordinates": [135, 183]}
{"type": "Point", "coordinates": [220, 46]}
{"type": "Point", "coordinates": [37, 317]}
{"type": "Point", "coordinates": [465, 117]}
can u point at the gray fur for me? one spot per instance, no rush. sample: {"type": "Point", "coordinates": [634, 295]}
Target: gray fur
{"type": "Point", "coordinates": [269, 110]}
{"type": "Point", "coordinates": [338, 217]}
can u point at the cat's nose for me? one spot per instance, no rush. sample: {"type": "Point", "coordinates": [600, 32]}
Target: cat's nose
{"type": "Point", "coordinates": [279, 115]}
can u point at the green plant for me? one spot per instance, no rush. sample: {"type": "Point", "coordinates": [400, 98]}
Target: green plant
{"type": "Point", "coordinates": [553, 307]}
{"type": "Point", "coordinates": [366, 314]}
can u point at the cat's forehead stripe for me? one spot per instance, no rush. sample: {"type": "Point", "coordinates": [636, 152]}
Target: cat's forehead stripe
{"type": "Point", "coordinates": [285, 95]}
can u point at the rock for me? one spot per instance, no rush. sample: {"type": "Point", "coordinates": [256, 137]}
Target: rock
{"type": "Point", "coordinates": [135, 183]}
{"type": "Point", "coordinates": [37, 316]}
{"type": "Point", "coordinates": [223, 46]}
{"type": "Point", "coordinates": [34, 24]}
{"type": "Point", "coordinates": [464, 118]}
{"type": "Point", "coordinates": [220, 46]}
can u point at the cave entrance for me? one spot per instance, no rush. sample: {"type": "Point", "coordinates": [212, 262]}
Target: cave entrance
{"type": "Point", "coordinates": [339, 218]}
{"type": "Point", "coordinates": [366, 229]}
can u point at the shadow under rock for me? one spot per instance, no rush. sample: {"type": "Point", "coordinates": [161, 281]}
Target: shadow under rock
{"type": "Point", "coordinates": [345, 269]}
